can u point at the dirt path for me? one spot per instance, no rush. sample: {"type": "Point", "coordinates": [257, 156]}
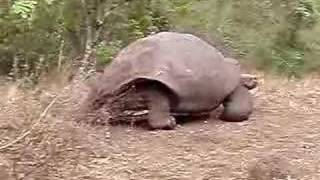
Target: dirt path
{"type": "Point", "coordinates": [286, 123]}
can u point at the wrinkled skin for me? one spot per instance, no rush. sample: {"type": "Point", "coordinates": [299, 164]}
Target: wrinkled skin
{"type": "Point", "coordinates": [238, 106]}
{"type": "Point", "coordinates": [159, 116]}
{"type": "Point", "coordinates": [180, 75]}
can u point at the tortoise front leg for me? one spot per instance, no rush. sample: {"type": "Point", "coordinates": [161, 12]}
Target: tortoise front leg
{"type": "Point", "coordinates": [159, 109]}
{"type": "Point", "coordinates": [238, 106]}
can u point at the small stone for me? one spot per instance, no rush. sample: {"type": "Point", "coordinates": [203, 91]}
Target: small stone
{"type": "Point", "coordinates": [272, 167]}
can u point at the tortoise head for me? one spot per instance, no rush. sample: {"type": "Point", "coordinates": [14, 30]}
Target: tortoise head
{"type": "Point", "coordinates": [249, 81]}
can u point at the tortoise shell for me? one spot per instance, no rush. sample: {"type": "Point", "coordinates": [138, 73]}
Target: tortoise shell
{"type": "Point", "coordinates": [195, 73]}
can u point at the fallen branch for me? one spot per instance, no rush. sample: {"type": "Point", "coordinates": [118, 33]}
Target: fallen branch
{"type": "Point", "coordinates": [25, 134]}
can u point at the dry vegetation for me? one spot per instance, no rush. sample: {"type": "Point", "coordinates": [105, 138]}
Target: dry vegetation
{"type": "Point", "coordinates": [281, 139]}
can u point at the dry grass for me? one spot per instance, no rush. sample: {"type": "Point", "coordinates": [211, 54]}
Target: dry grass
{"type": "Point", "coordinates": [285, 125]}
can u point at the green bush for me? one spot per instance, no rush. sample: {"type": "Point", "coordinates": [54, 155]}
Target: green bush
{"type": "Point", "coordinates": [33, 31]}
{"type": "Point", "coordinates": [274, 35]}
{"type": "Point", "coordinates": [280, 36]}
{"type": "Point", "coordinates": [105, 53]}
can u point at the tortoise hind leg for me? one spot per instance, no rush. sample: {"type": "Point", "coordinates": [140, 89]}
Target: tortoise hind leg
{"type": "Point", "coordinates": [238, 106]}
{"type": "Point", "coordinates": [159, 109]}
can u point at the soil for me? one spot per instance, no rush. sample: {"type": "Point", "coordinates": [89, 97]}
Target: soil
{"type": "Point", "coordinates": [280, 141]}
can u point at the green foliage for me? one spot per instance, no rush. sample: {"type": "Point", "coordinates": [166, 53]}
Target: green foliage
{"type": "Point", "coordinates": [32, 32]}
{"type": "Point", "coordinates": [135, 20]}
{"type": "Point", "coordinates": [271, 34]}
{"type": "Point", "coordinates": [105, 53]}
{"type": "Point", "coordinates": [38, 35]}
{"type": "Point", "coordinates": [24, 8]}
{"type": "Point", "coordinates": [27, 37]}
{"type": "Point", "coordinates": [289, 48]}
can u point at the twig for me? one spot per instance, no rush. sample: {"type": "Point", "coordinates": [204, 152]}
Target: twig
{"type": "Point", "coordinates": [60, 55]}
{"type": "Point", "coordinates": [22, 136]}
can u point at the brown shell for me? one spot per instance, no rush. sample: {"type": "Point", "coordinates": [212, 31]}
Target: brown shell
{"type": "Point", "coordinates": [193, 70]}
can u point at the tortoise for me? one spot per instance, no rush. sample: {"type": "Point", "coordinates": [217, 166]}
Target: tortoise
{"type": "Point", "coordinates": [172, 74]}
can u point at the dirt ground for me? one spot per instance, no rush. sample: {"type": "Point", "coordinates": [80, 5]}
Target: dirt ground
{"type": "Point", "coordinates": [280, 140]}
